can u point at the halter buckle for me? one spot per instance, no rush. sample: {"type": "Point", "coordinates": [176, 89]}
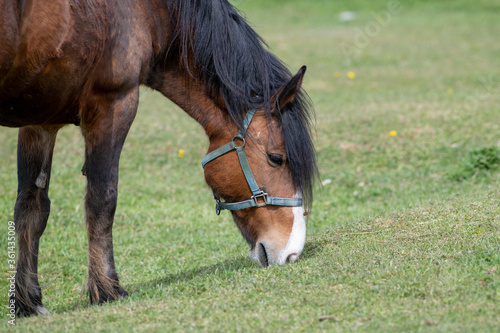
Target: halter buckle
{"type": "Point", "coordinates": [217, 205]}
{"type": "Point", "coordinates": [262, 195]}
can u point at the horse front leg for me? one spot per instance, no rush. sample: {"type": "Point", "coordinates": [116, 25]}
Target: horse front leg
{"type": "Point", "coordinates": [105, 124]}
{"type": "Point", "coordinates": [31, 212]}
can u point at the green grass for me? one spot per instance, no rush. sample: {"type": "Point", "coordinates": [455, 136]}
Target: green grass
{"type": "Point", "coordinates": [405, 237]}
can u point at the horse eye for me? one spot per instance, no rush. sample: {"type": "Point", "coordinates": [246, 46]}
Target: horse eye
{"type": "Point", "coordinates": [275, 159]}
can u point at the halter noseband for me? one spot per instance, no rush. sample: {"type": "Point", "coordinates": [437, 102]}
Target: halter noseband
{"type": "Point", "coordinates": [259, 198]}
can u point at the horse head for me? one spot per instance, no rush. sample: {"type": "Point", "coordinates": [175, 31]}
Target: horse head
{"type": "Point", "coordinates": [251, 174]}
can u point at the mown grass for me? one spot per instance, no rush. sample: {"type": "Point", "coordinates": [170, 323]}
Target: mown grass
{"type": "Point", "coordinates": [404, 236]}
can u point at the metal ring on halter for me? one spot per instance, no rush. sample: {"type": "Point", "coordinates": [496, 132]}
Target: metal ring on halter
{"type": "Point", "coordinates": [237, 136]}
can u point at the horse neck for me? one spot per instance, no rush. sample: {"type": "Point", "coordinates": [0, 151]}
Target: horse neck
{"type": "Point", "coordinates": [190, 94]}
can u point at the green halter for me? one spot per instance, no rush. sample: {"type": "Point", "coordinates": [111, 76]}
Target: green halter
{"type": "Point", "coordinates": [259, 198]}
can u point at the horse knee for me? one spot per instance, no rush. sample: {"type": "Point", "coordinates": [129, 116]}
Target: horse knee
{"type": "Point", "coordinates": [101, 204]}
{"type": "Point", "coordinates": [102, 198]}
{"type": "Point", "coordinates": [31, 212]}
{"type": "Point", "coordinates": [111, 196]}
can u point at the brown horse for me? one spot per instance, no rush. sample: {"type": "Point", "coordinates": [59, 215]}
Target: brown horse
{"type": "Point", "coordinates": [81, 62]}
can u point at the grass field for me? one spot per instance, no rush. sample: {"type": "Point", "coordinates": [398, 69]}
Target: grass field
{"type": "Point", "coordinates": [405, 231]}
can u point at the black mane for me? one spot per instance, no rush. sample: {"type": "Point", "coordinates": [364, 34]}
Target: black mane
{"type": "Point", "coordinates": [214, 40]}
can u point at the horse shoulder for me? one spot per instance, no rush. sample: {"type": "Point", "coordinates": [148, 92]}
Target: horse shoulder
{"type": "Point", "coordinates": [128, 54]}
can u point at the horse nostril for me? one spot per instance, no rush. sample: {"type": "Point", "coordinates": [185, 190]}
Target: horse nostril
{"type": "Point", "coordinates": [292, 257]}
{"type": "Point", "coordinates": [263, 259]}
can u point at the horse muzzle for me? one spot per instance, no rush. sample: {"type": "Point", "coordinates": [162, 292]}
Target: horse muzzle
{"type": "Point", "coordinates": [267, 253]}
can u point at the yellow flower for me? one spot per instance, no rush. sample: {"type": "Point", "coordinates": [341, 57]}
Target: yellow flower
{"type": "Point", "coordinates": [351, 75]}
{"type": "Point", "coordinates": [336, 75]}
{"type": "Point", "coordinates": [393, 133]}
{"type": "Point", "coordinates": [450, 90]}
{"type": "Point", "coordinates": [181, 153]}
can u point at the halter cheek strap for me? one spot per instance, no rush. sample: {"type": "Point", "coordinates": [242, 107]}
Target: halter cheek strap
{"type": "Point", "coordinates": [259, 198]}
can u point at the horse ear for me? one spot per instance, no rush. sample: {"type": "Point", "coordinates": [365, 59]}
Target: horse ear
{"type": "Point", "coordinates": [286, 94]}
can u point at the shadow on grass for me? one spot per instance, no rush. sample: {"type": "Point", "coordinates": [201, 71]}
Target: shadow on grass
{"type": "Point", "coordinates": [222, 270]}
{"type": "Point", "coordinates": [138, 291]}
{"type": "Point", "coordinates": [311, 249]}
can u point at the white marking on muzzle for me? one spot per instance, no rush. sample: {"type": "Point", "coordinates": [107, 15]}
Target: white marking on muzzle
{"type": "Point", "coordinates": [297, 238]}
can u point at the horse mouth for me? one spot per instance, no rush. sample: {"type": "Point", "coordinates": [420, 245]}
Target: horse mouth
{"type": "Point", "coordinates": [262, 255]}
